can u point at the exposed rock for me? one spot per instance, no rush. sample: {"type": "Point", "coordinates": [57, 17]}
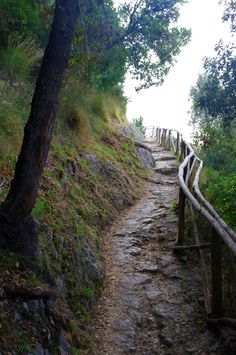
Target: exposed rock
{"type": "Point", "coordinates": [135, 251]}
{"type": "Point", "coordinates": [61, 314]}
{"type": "Point", "coordinates": [121, 202]}
{"type": "Point", "coordinates": [107, 170]}
{"type": "Point", "coordinates": [45, 231]}
{"type": "Point", "coordinates": [147, 267]}
{"type": "Point", "coordinates": [70, 167]}
{"type": "Point", "coordinates": [165, 261]}
{"type": "Point", "coordinates": [17, 316]}
{"type": "Point", "coordinates": [165, 337]}
{"type": "Point", "coordinates": [60, 283]}
{"type": "Point", "coordinates": [2, 294]}
{"type": "Point", "coordinates": [37, 311]}
{"type": "Point", "coordinates": [146, 158]}
{"type": "Point", "coordinates": [94, 162]}
{"type": "Point", "coordinates": [65, 347]}
{"type": "Point", "coordinates": [131, 132]}
{"type": "Point", "coordinates": [88, 267]}
{"type": "Point", "coordinates": [40, 350]}
{"type": "Point", "coordinates": [25, 307]}
{"type": "Point", "coordinates": [145, 155]}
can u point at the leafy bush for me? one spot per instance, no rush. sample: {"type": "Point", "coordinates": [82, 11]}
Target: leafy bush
{"type": "Point", "coordinates": [25, 18]}
{"type": "Point", "coordinates": [138, 124]}
{"type": "Point", "coordinates": [221, 191]}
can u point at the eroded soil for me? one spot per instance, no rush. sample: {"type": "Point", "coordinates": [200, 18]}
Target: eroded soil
{"type": "Point", "coordinates": [152, 300]}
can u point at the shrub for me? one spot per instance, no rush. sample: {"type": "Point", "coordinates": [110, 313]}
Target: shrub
{"type": "Point", "coordinates": [138, 124]}
{"type": "Point", "coordinates": [222, 193]}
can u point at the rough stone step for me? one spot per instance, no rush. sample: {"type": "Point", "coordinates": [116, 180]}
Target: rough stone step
{"type": "Point", "coordinates": [165, 158]}
{"type": "Point", "coordinates": [166, 171]}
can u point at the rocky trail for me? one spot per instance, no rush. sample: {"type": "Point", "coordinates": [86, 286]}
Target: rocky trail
{"type": "Point", "coordinates": [152, 300]}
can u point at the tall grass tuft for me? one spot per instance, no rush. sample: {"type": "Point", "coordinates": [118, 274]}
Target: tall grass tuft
{"type": "Point", "coordinates": [19, 58]}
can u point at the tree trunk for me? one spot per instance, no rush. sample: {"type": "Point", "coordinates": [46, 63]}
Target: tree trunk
{"type": "Point", "coordinates": [18, 230]}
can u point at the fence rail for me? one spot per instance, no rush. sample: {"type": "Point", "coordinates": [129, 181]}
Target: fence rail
{"type": "Point", "coordinates": [190, 195]}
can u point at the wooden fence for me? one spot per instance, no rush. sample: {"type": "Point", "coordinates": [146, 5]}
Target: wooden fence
{"type": "Point", "coordinates": [191, 196]}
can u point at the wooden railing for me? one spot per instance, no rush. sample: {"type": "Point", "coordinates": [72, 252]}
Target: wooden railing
{"type": "Point", "coordinates": [189, 194]}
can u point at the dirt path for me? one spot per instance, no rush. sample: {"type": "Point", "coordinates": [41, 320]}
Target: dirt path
{"type": "Point", "coordinates": [152, 300]}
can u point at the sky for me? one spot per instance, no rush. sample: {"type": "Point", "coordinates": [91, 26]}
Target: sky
{"type": "Point", "coordinates": [168, 105]}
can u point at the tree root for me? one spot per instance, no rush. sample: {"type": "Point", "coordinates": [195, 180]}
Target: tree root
{"type": "Point", "coordinates": [30, 292]}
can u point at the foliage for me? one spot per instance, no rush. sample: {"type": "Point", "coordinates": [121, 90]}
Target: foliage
{"type": "Point", "coordinates": [19, 58]}
{"type": "Point", "coordinates": [138, 124]}
{"type": "Point", "coordinates": [151, 38]}
{"type": "Point", "coordinates": [214, 119]}
{"type": "Point", "coordinates": [230, 13]}
{"type": "Point", "coordinates": [141, 36]}
{"type": "Point", "coordinates": [217, 149]}
{"type": "Point", "coordinates": [25, 18]}
{"type": "Point", "coordinates": [221, 191]}
{"type": "Point", "coordinates": [95, 59]}
{"type": "Point", "coordinates": [213, 96]}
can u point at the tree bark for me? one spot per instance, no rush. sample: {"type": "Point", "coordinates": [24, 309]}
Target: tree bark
{"type": "Point", "coordinates": [18, 230]}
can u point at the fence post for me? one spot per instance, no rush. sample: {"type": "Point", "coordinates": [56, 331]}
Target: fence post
{"type": "Point", "coordinates": [164, 137]}
{"type": "Point", "coordinates": [182, 150]}
{"type": "Point", "coordinates": [216, 274]}
{"type": "Point", "coordinates": [180, 239]}
{"type": "Point", "coordinates": [169, 146]}
{"type": "Point", "coordinates": [177, 144]}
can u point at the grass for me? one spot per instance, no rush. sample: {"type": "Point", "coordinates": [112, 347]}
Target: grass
{"type": "Point", "coordinates": [80, 229]}
{"type": "Point", "coordinates": [9, 260]}
{"type": "Point", "coordinates": [41, 208]}
{"type": "Point", "coordinates": [5, 325]}
{"type": "Point", "coordinates": [19, 58]}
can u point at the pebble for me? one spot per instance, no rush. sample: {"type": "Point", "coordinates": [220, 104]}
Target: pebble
{"type": "Point", "coordinates": [167, 341]}
{"type": "Point", "coordinates": [2, 294]}
{"type": "Point", "coordinates": [17, 316]}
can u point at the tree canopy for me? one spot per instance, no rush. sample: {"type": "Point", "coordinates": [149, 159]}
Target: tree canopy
{"type": "Point", "coordinates": [214, 117]}
{"type": "Point", "coordinates": [213, 97]}
{"type": "Point", "coordinates": [141, 36]}
{"type": "Point", "coordinates": [151, 38]}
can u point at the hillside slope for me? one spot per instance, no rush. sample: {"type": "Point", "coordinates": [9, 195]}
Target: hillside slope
{"type": "Point", "coordinates": [92, 173]}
